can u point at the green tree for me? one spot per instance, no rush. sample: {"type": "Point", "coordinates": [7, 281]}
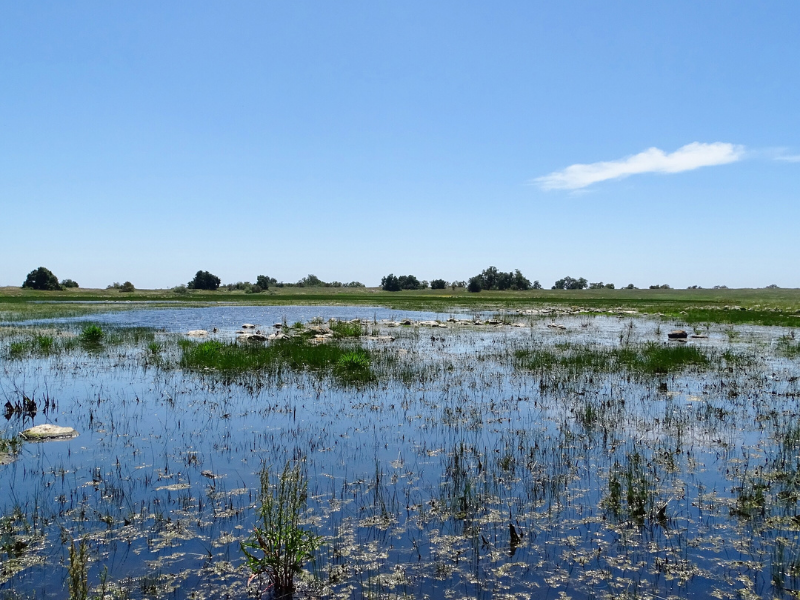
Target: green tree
{"type": "Point", "coordinates": [568, 283]}
{"type": "Point", "coordinates": [263, 281]}
{"type": "Point", "coordinates": [127, 287]}
{"type": "Point", "coordinates": [390, 283]}
{"type": "Point", "coordinates": [474, 284]}
{"type": "Point", "coordinates": [438, 284]}
{"type": "Point", "coordinates": [203, 280]}
{"type": "Point", "coordinates": [41, 279]}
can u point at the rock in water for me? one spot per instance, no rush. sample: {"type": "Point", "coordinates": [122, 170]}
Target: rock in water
{"type": "Point", "coordinates": [197, 333]}
{"type": "Point", "coordinates": [678, 334]}
{"type": "Point", "coordinates": [45, 432]}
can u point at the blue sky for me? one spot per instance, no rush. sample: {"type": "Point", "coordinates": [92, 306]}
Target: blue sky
{"type": "Point", "coordinates": [644, 142]}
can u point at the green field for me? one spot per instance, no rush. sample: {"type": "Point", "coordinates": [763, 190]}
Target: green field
{"type": "Point", "coordinates": [734, 306]}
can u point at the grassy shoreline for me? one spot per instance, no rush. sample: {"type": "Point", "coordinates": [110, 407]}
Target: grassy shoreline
{"type": "Point", "coordinates": [734, 306]}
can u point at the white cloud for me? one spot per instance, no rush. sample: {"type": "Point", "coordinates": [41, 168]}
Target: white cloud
{"type": "Point", "coordinates": [652, 160]}
{"type": "Point", "coordinates": [795, 158]}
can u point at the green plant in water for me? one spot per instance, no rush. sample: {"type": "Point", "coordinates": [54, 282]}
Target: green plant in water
{"type": "Point", "coordinates": [345, 329]}
{"type": "Point", "coordinates": [354, 366]}
{"type": "Point", "coordinates": [279, 545]}
{"type": "Point", "coordinates": [92, 334]}
{"type": "Point", "coordinates": [78, 580]}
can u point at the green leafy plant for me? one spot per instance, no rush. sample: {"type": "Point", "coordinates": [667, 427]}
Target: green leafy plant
{"type": "Point", "coordinates": [92, 334]}
{"type": "Point", "coordinates": [279, 545]}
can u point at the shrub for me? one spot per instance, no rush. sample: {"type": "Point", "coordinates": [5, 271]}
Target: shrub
{"type": "Point", "coordinates": [438, 284]}
{"type": "Point", "coordinates": [474, 284]}
{"type": "Point", "coordinates": [41, 279]}
{"type": "Point", "coordinates": [536, 285]}
{"type": "Point", "coordinates": [180, 289]}
{"type": "Point", "coordinates": [354, 284]}
{"type": "Point", "coordinates": [203, 280]}
{"type": "Point", "coordinates": [664, 286]}
{"type": "Point", "coordinates": [69, 283]}
{"type": "Point", "coordinates": [279, 546]}
{"type": "Point", "coordinates": [127, 287]}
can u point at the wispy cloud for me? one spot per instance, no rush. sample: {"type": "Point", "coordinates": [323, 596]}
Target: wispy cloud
{"type": "Point", "coordinates": [689, 157]}
{"type": "Point", "coordinates": [795, 158]}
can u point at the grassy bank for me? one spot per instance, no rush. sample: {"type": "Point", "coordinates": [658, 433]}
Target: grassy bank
{"type": "Point", "coordinates": [734, 306]}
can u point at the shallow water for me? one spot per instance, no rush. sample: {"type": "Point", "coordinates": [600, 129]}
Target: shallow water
{"type": "Point", "coordinates": [415, 480]}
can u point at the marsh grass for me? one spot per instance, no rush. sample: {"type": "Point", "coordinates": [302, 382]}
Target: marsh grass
{"type": "Point", "coordinates": [573, 359]}
{"type": "Point", "coordinates": [347, 363]}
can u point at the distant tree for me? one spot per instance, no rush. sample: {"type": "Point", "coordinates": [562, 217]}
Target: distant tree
{"type": "Point", "coordinates": [41, 279]}
{"type": "Point", "coordinates": [609, 286]}
{"type": "Point", "coordinates": [474, 284]}
{"type": "Point", "coordinates": [489, 278]}
{"type": "Point", "coordinates": [390, 283]}
{"type": "Point", "coordinates": [536, 285]}
{"type": "Point", "coordinates": [127, 287]}
{"type": "Point", "coordinates": [409, 282]}
{"type": "Point", "coordinates": [264, 281]}
{"type": "Point", "coordinates": [203, 280]}
{"type": "Point", "coordinates": [772, 286]}
{"type": "Point", "coordinates": [493, 279]}
{"type": "Point", "coordinates": [69, 283]}
{"type": "Point", "coordinates": [568, 283]}
{"type": "Point", "coordinates": [438, 284]}
{"type": "Point", "coordinates": [720, 287]}
{"type": "Point", "coordinates": [354, 284]}
{"type": "Point", "coordinates": [114, 286]}
{"type": "Point", "coordinates": [663, 286]}
{"type": "Point", "coordinates": [311, 281]}
{"type": "Point", "coordinates": [597, 285]}
{"type": "Point", "coordinates": [519, 281]}
{"type": "Point", "coordinates": [180, 289]}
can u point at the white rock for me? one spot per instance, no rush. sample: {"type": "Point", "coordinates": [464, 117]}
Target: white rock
{"type": "Point", "coordinates": [197, 333]}
{"type": "Point", "coordinates": [48, 432]}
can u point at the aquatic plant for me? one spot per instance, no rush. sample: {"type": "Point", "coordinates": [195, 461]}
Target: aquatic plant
{"type": "Point", "coordinates": [92, 334]}
{"type": "Point", "coordinates": [279, 546]}
{"type": "Point", "coordinates": [350, 364]}
{"type": "Point", "coordinates": [346, 329]}
{"type": "Point", "coordinates": [78, 571]}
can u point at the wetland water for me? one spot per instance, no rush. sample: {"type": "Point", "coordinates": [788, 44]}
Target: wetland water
{"type": "Point", "coordinates": [485, 461]}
